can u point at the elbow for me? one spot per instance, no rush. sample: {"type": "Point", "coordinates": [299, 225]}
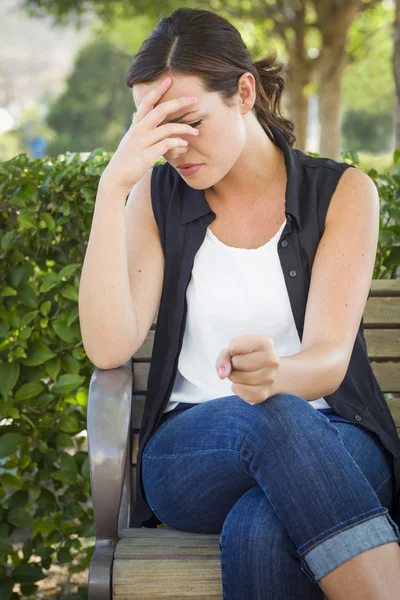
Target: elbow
{"type": "Point", "coordinates": [339, 371]}
{"type": "Point", "coordinates": [106, 363]}
{"type": "Point", "coordinates": [106, 366]}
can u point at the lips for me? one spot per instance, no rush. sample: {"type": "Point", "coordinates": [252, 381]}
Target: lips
{"type": "Point", "coordinates": [187, 165]}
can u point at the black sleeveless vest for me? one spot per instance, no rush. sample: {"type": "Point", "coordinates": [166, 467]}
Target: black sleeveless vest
{"type": "Point", "coordinates": [183, 215]}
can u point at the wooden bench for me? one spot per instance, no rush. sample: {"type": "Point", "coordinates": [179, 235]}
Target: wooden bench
{"type": "Point", "coordinates": [140, 563]}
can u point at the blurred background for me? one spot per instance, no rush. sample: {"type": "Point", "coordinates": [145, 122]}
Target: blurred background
{"type": "Point", "coordinates": [63, 64]}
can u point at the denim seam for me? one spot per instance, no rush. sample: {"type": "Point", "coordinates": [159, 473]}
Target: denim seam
{"type": "Point", "coordinates": [343, 529]}
{"type": "Point", "coordinates": [193, 452]}
{"type": "Point", "coordinates": [198, 452]}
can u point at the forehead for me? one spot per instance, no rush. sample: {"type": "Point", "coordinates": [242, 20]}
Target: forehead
{"type": "Point", "coordinates": [179, 86]}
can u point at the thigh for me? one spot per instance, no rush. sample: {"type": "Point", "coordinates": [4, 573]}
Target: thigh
{"type": "Point", "coordinates": [375, 462]}
{"type": "Point", "coordinates": [191, 474]}
{"type": "Point", "coordinates": [258, 558]}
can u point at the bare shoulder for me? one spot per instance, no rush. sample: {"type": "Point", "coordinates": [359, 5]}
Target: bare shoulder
{"type": "Point", "coordinates": [355, 191]}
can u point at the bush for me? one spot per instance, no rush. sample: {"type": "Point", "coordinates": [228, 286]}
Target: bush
{"type": "Point", "coordinates": [46, 213]}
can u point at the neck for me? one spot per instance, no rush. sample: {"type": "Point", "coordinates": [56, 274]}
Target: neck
{"type": "Point", "coordinates": [253, 177]}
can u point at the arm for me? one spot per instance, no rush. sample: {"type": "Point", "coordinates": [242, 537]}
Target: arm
{"type": "Point", "coordinates": [340, 282]}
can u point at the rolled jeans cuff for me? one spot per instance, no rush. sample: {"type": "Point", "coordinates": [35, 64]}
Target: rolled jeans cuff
{"type": "Point", "coordinates": [330, 549]}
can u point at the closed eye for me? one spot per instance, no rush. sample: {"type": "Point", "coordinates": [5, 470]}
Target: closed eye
{"type": "Point", "coordinates": [195, 124]}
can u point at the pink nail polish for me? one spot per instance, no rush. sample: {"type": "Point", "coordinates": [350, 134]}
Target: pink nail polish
{"type": "Point", "coordinates": [221, 371]}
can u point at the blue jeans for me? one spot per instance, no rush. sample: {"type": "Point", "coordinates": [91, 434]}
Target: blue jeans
{"type": "Point", "coordinates": [292, 495]}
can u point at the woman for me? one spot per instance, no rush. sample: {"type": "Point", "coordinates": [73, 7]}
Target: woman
{"type": "Point", "coordinates": [259, 259]}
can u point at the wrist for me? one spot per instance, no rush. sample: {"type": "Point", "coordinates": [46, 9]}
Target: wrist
{"type": "Point", "coordinates": [111, 188]}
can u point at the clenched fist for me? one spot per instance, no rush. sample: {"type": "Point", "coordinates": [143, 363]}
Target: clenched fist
{"type": "Point", "coordinates": [251, 363]}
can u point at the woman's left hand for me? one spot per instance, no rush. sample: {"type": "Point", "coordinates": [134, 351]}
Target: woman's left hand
{"type": "Point", "coordinates": [251, 363]}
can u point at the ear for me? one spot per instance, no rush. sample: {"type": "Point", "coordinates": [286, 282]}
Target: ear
{"type": "Point", "coordinates": [246, 92]}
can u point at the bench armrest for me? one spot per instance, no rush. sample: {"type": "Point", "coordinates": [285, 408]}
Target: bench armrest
{"type": "Point", "coordinates": [108, 430]}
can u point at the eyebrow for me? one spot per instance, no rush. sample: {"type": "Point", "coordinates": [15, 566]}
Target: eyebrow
{"type": "Point", "coordinates": [182, 116]}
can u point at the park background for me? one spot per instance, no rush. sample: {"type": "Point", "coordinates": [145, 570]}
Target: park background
{"type": "Point", "coordinates": [64, 107]}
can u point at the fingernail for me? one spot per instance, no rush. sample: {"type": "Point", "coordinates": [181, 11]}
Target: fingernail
{"type": "Point", "coordinates": [166, 80]}
{"type": "Point", "coordinates": [221, 371]}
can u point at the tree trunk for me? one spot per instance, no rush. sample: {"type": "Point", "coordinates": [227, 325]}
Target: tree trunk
{"type": "Point", "coordinates": [329, 106]}
{"type": "Point", "coordinates": [298, 104]}
{"type": "Point", "coordinates": [335, 19]}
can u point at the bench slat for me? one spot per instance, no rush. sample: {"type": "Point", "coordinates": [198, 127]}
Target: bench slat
{"type": "Point", "coordinates": [167, 564]}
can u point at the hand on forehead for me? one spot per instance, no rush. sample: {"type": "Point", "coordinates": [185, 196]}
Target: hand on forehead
{"type": "Point", "coordinates": [180, 86]}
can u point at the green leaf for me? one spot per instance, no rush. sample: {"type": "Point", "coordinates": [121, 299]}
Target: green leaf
{"type": "Point", "coordinates": [38, 354]}
{"type": "Point", "coordinates": [8, 291]}
{"type": "Point", "coordinates": [66, 271]}
{"type": "Point", "coordinates": [70, 365]}
{"type": "Point", "coordinates": [6, 587]}
{"type": "Point", "coordinates": [15, 321]}
{"type": "Point", "coordinates": [27, 573]}
{"type": "Point", "coordinates": [28, 317]}
{"type": "Point", "coordinates": [67, 334]}
{"type": "Point", "coordinates": [28, 420]}
{"type": "Point", "coordinates": [19, 499]}
{"type": "Point", "coordinates": [45, 308]}
{"type": "Point", "coordinates": [29, 390]}
{"type": "Point", "coordinates": [25, 222]}
{"type": "Point", "coordinates": [53, 367]}
{"type": "Point", "coordinates": [72, 315]}
{"type": "Point", "coordinates": [10, 443]}
{"type": "Point", "coordinates": [67, 383]}
{"type": "Point", "coordinates": [5, 329]}
{"type": "Point", "coordinates": [68, 463]}
{"type": "Point", "coordinates": [63, 440]}
{"type": "Point", "coordinates": [20, 517]}
{"type": "Point", "coordinates": [65, 477]}
{"type": "Point", "coordinates": [43, 525]}
{"type": "Point", "coordinates": [4, 531]}
{"type": "Point", "coordinates": [20, 274]}
{"type": "Point", "coordinates": [34, 490]}
{"type": "Point", "coordinates": [29, 589]}
{"type": "Point", "coordinates": [48, 220]}
{"type": "Point", "coordinates": [9, 373]}
{"type": "Point", "coordinates": [7, 239]}
{"type": "Point", "coordinates": [49, 281]}
{"type": "Point", "coordinates": [27, 296]}
{"type": "Point", "coordinates": [11, 481]}
{"type": "Point", "coordinates": [85, 469]}
{"type": "Point", "coordinates": [5, 549]}
{"type": "Point", "coordinates": [25, 333]}
{"type": "Point", "coordinates": [69, 292]}
{"type": "Point", "coordinates": [69, 424]}
{"type": "Point", "coordinates": [19, 352]}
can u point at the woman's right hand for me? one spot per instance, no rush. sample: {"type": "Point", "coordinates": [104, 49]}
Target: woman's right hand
{"type": "Point", "coordinates": [144, 142]}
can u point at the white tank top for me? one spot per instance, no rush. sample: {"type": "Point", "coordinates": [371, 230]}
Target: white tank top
{"type": "Point", "coordinates": [232, 291]}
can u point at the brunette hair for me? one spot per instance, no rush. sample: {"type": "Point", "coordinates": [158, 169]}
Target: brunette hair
{"type": "Point", "coordinates": [201, 43]}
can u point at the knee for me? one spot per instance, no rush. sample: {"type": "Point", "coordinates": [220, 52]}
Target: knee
{"type": "Point", "coordinates": [287, 412]}
{"type": "Point", "coordinates": [287, 421]}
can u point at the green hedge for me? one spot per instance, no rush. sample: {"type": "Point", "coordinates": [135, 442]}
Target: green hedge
{"type": "Point", "coordinates": [45, 219]}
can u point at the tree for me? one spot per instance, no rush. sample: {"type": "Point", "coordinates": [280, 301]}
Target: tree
{"type": "Point", "coordinates": [94, 110]}
{"type": "Point", "coordinates": [314, 34]}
